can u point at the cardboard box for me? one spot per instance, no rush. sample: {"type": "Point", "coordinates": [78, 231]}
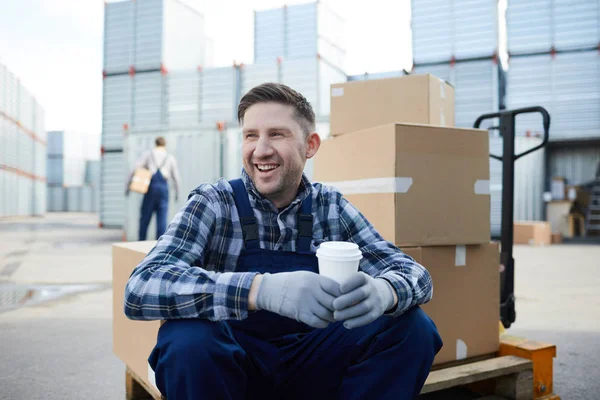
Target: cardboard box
{"type": "Point", "coordinates": [418, 185]}
{"type": "Point", "coordinates": [532, 232]}
{"type": "Point", "coordinates": [415, 99]}
{"type": "Point", "coordinates": [557, 214]}
{"type": "Point", "coordinates": [466, 298]}
{"type": "Point", "coordinates": [133, 341]}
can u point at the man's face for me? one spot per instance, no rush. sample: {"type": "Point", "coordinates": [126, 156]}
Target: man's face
{"type": "Point", "coordinates": [275, 150]}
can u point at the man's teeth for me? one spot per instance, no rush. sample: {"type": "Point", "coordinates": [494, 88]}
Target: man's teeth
{"type": "Point", "coordinates": [266, 167]}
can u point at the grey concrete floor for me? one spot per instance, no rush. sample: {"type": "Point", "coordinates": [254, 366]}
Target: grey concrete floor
{"type": "Point", "coordinates": [60, 347]}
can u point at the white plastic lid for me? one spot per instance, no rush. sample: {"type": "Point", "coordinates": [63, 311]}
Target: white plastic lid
{"type": "Point", "coordinates": [343, 251]}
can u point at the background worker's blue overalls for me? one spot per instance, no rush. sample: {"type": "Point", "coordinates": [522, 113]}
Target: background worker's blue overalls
{"type": "Point", "coordinates": [156, 200]}
{"type": "Point", "coordinates": [267, 356]}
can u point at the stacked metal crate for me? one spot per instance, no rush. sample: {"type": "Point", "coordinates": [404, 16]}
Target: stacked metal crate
{"type": "Point", "coordinates": [301, 46]}
{"type": "Point", "coordinates": [70, 186]}
{"type": "Point", "coordinates": [458, 41]}
{"type": "Point", "coordinates": [148, 44]}
{"type": "Point", "coordinates": [555, 62]}
{"type": "Point", "coordinates": [22, 149]}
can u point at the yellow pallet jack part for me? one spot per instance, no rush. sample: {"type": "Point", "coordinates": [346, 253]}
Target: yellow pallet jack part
{"type": "Point", "coordinates": [542, 356]}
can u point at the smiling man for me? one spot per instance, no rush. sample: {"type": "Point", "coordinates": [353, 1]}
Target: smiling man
{"type": "Point", "coordinates": [236, 278]}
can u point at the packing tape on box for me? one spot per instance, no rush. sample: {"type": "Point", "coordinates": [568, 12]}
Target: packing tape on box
{"type": "Point", "coordinates": [337, 92]}
{"type": "Point", "coordinates": [442, 117]}
{"type": "Point", "coordinates": [461, 349]}
{"type": "Point", "coordinates": [373, 185]}
{"type": "Point", "coordinates": [482, 186]}
{"type": "Point", "coordinates": [400, 184]}
{"type": "Point", "coordinates": [442, 88]}
{"type": "Point", "coordinates": [460, 258]}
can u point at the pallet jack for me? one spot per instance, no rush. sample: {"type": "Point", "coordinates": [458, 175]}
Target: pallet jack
{"type": "Point", "coordinates": [522, 368]}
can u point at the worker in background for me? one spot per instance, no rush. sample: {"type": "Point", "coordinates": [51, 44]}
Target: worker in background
{"type": "Point", "coordinates": [162, 167]}
{"type": "Point", "coordinates": [236, 279]}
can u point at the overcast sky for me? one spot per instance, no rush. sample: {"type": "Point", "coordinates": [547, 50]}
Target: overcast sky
{"type": "Point", "coordinates": [55, 46]}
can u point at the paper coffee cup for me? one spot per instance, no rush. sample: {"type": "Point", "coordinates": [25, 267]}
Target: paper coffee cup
{"type": "Point", "coordinates": [338, 260]}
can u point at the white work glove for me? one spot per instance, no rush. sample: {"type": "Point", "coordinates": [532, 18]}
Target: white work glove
{"type": "Point", "coordinates": [301, 295]}
{"type": "Point", "coordinates": [363, 300]}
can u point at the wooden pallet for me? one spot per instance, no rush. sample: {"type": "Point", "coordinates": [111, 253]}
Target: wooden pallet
{"type": "Point", "coordinates": [512, 378]}
{"type": "Point", "coordinates": [522, 370]}
{"type": "Point", "coordinates": [137, 389]}
{"type": "Point", "coordinates": [507, 377]}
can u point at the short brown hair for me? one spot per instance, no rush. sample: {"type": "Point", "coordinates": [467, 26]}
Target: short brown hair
{"type": "Point", "coordinates": [160, 141]}
{"type": "Point", "coordinates": [282, 94]}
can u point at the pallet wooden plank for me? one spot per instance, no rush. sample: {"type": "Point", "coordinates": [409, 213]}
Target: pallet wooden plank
{"type": "Point", "coordinates": [136, 389]}
{"type": "Point", "coordinates": [473, 372]}
{"type": "Point", "coordinates": [518, 386]}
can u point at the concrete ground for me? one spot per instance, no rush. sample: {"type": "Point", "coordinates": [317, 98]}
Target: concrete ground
{"type": "Point", "coordinates": [60, 345]}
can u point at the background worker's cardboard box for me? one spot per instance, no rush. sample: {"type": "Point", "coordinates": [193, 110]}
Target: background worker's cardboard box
{"type": "Point", "coordinates": [414, 99]}
{"type": "Point", "coordinates": [532, 232]}
{"type": "Point", "coordinates": [418, 185]}
{"type": "Point", "coordinates": [133, 341]}
{"type": "Point", "coordinates": [466, 297]}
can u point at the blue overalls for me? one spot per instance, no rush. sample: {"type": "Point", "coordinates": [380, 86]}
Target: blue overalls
{"type": "Point", "coordinates": [155, 200]}
{"type": "Point", "coordinates": [267, 356]}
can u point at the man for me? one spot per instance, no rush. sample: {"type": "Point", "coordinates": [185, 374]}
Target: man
{"type": "Point", "coordinates": [163, 167]}
{"type": "Point", "coordinates": [236, 278]}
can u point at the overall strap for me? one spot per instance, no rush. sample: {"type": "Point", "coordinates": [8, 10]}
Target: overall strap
{"type": "Point", "coordinates": [305, 225]}
{"type": "Point", "coordinates": [247, 218]}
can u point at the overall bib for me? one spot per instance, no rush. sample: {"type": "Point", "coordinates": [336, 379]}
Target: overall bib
{"type": "Point", "coordinates": [267, 356]}
{"type": "Point", "coordinates": [155, 200]}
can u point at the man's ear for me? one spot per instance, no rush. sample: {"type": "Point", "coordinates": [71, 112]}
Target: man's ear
{"type": "Point", "coordinates": [313, 143]}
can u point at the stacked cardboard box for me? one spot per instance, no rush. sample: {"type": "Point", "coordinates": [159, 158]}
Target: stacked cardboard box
{"type": "Point", "coordinates": [424, 186]}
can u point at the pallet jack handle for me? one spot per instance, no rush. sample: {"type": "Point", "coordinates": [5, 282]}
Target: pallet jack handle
{"type": "Point", "coordinates": [508, 158]}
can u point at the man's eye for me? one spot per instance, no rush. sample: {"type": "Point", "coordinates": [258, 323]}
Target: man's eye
{"type": "Point", "coordinates": [277, 134]}
{"type": "Point", "coordinates": [250, 135]}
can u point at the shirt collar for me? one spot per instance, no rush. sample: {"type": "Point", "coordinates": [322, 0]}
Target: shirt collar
{"type": "Point", "coordinates": [304, 190]}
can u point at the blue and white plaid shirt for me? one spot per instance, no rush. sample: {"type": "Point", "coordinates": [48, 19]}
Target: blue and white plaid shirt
{"type": "Point", "coordinates": [191, 272]}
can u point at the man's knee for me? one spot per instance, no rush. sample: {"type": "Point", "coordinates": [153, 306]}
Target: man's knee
{"type": "Point", "coordinates": [197, 340]}
{"type": "Point", "coordinates": [422, 332]}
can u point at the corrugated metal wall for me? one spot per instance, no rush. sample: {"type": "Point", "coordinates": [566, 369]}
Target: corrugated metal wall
{"type": "Point", "coordinates": [529, 183]}
{"type": "Point", "coordinates": [540, 25]}
{"type": "Point", "coordinates": [577, 164]}
{"type": "Point", "coordinates": [566, 84]}
{"type": "Point", "coordinates": [461, 29]}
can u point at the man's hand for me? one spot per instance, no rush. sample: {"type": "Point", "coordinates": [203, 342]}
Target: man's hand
{"type": "Point", "coordinates": [363, 300]}
{"type": "Point", "coordinates": [301, 295]}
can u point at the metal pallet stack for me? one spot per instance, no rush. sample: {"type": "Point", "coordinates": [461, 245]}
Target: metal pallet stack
{"type": "Point", "coordinates": [153, 50]}
{"type": "Point", "coordinates": [73, 180]}
{"type": "Point", "coordinates": [555, 62]}
{"type": "Point", "coordinates": [301, 46]}
{"type": "Point", "coordinates": [22, 149]}
{"type": "Point", "coordinates": [195, 107]}
{"type": "Point", "coordinates": [458, 42]}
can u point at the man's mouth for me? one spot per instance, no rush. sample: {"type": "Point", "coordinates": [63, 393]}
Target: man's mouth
{"type": "Point", "coordinates": [266, 168]}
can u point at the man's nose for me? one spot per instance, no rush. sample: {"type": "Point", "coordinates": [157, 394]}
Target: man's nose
{"type": "Point", "coordinates": [263, 147]}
